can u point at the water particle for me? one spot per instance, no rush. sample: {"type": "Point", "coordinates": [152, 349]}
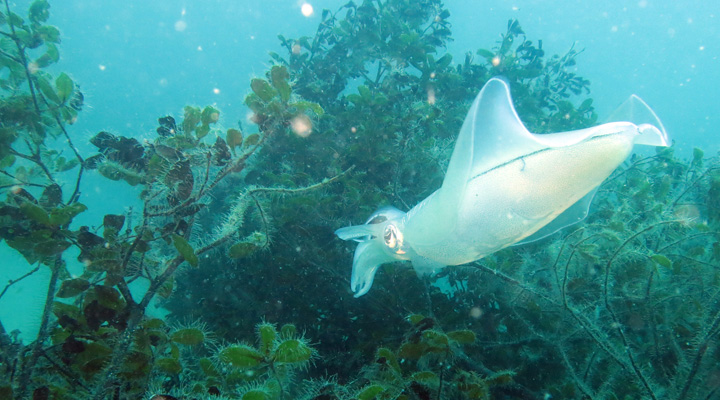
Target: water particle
{"type": "Point", "coordinates": [476, 312]}
{"type": "Point", "coordinates": [216, 91]}
{"type": "Point", "coordinates": [306, 9]}
{"type": "Point", "coordinates": [102, 67]}
{"type": "Point", "coordinates": [180, 25]}
{"type": "Point", "coordinates": [301, 125]}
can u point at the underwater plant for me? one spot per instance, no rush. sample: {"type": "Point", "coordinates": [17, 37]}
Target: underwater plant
{"type": "Point", "coordinates": [94, 329]}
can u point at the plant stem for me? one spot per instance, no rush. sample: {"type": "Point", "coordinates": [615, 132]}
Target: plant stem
{"type": "Point", "coordinates": [29, 365]}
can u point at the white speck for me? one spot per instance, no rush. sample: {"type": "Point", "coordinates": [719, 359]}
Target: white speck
{"type": "Point", "coordinates": [701, 48]}
{"type": "Point", "coordinates": [614, 28]}
{"type": "Point", "coordinates": [102, 67]}
{"type": "Point", "coordinates": [199, 48]}
{"type": "Point", "coordinates": [216, 91]}
{"type": "Point", "coordinates": [306, 9]}
{"type": "Point", "coordinates": [180, 25]}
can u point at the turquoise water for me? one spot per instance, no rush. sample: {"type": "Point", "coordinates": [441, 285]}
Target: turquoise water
{"type": "Point", "coordinates": [138, 61]}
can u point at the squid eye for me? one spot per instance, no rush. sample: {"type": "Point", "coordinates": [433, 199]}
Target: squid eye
{"type": "Point", "coordinates": [390, 237]}
{"type": "Point", "coordinates": [393, 239]}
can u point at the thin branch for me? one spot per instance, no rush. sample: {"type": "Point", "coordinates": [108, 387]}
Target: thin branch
{"type": "Point", "coordinates": [12, 282]}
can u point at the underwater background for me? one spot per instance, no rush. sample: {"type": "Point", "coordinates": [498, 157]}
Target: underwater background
{"type": "Point", "coordinates": [173, 173]}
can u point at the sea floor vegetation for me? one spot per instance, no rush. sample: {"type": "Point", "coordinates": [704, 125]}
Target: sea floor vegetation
{"type": "Point", "coordinates": [235, 236]}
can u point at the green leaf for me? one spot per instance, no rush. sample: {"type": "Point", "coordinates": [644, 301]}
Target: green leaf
{"type": "Point", "coordinates": [279, 77]}
{"type": "Point", "coordinates": [188, 336]}
{"type": "Point", "coordinates": [234, 138]}
{"type": "Point", "coordinates": [191, 119]}
{"type": "Point", "coordinates": [185, 250]}
{"type": "Point", "coordinates": [241, 356]}
{"type": "Point", "coordinates": [62, 216]}
{"type": "Point", "coordinates": [113, 221]}
{"type": "Point", "coordinates": [49, 33]}
{"type": "Point", "coordinates": [44, 85]}
{"type": "Point", "coordinates": [662, 260]}
{"type": "Point", "coordinates": [364, 92]}
{"type": "Point", "coordinates": [252, 140]}
{"type": "Point", "coordinates": [262, 89]}
{"type": "Point", "coordinates": [463, 336]}
{"type": "Point", "coordinates": [72, 288]}
{"type": "Point", "coordinates": [202, 131]}
{"type": "Point", "coordinates": [64, 87]}
{"type": "Point", "coordinates": [209, 115]}
{"type": "Point", "coordinates": [427, 378]}
{"type": "Point", "coordinates": [292, 351]}
{"type": "Point", "coordinates": [169, 365]}
{"type": "Point", "coordinates": [242, 249]}
{"type": "Point", "coordinates": [370, 392]}
{"type": "Point", "coordinates": [39, 11]}
{"type": "Point", "coordinates": [7, 161]}
{"type": "Point", "coordinates": [35, 213]}
{"type": "Point", "coordinates": [51, 56]}
{"type": "Point", "coordinates": [51, 247]}
{"type": "Point", "coordinates": [390, 359]}
{"type": "Point", "coordinates": [698, 155]}
{"type": "Point", "coordinates": [267, 334]}
{"type": "Point", "coordinates": [486, 53]}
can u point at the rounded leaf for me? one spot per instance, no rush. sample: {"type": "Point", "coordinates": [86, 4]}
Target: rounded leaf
{"type": "Point", "coordinates": [188, 336]}
{"type": "Point", "coordinates": [463, 336]}
{"type": "Point", "coordinates": [242, 249]}
{"type": "Point", "coordinates": [262, 89]}
{"type": "Point", "coordinates": [267, 334]}
{"type": "Point", "coordinates": [185, 250]}
{"type": "Point", "coordinates": [72, 288]}
{"type": "Point", "coordinates": [169, 365]}
{"type": "Point", "coordinates": [292, 351]}
{"type": "Point", "coordinates": [240, 356]}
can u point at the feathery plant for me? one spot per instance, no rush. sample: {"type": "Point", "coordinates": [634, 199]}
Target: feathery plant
{"type": "Point", "coordinates": [94, 330]}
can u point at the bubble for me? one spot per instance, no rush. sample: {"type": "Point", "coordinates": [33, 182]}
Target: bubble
{"type": "Point", "coordinates": [306, 9]}
{"type": "Point", "coordinates": [476, 312]}
{"type": "Point", "coordinates": [301, 125]}
{"type": "Point", "coordinates": [180, 25]}
{"type": "Point", "coordinates": [431, 96]}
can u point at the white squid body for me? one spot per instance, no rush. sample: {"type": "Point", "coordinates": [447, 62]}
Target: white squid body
{"type": "Point", "coordinates": [504, 186]}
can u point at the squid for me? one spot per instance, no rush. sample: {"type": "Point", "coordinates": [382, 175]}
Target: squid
{"type": "Point", "coordinates": [503, 186]}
